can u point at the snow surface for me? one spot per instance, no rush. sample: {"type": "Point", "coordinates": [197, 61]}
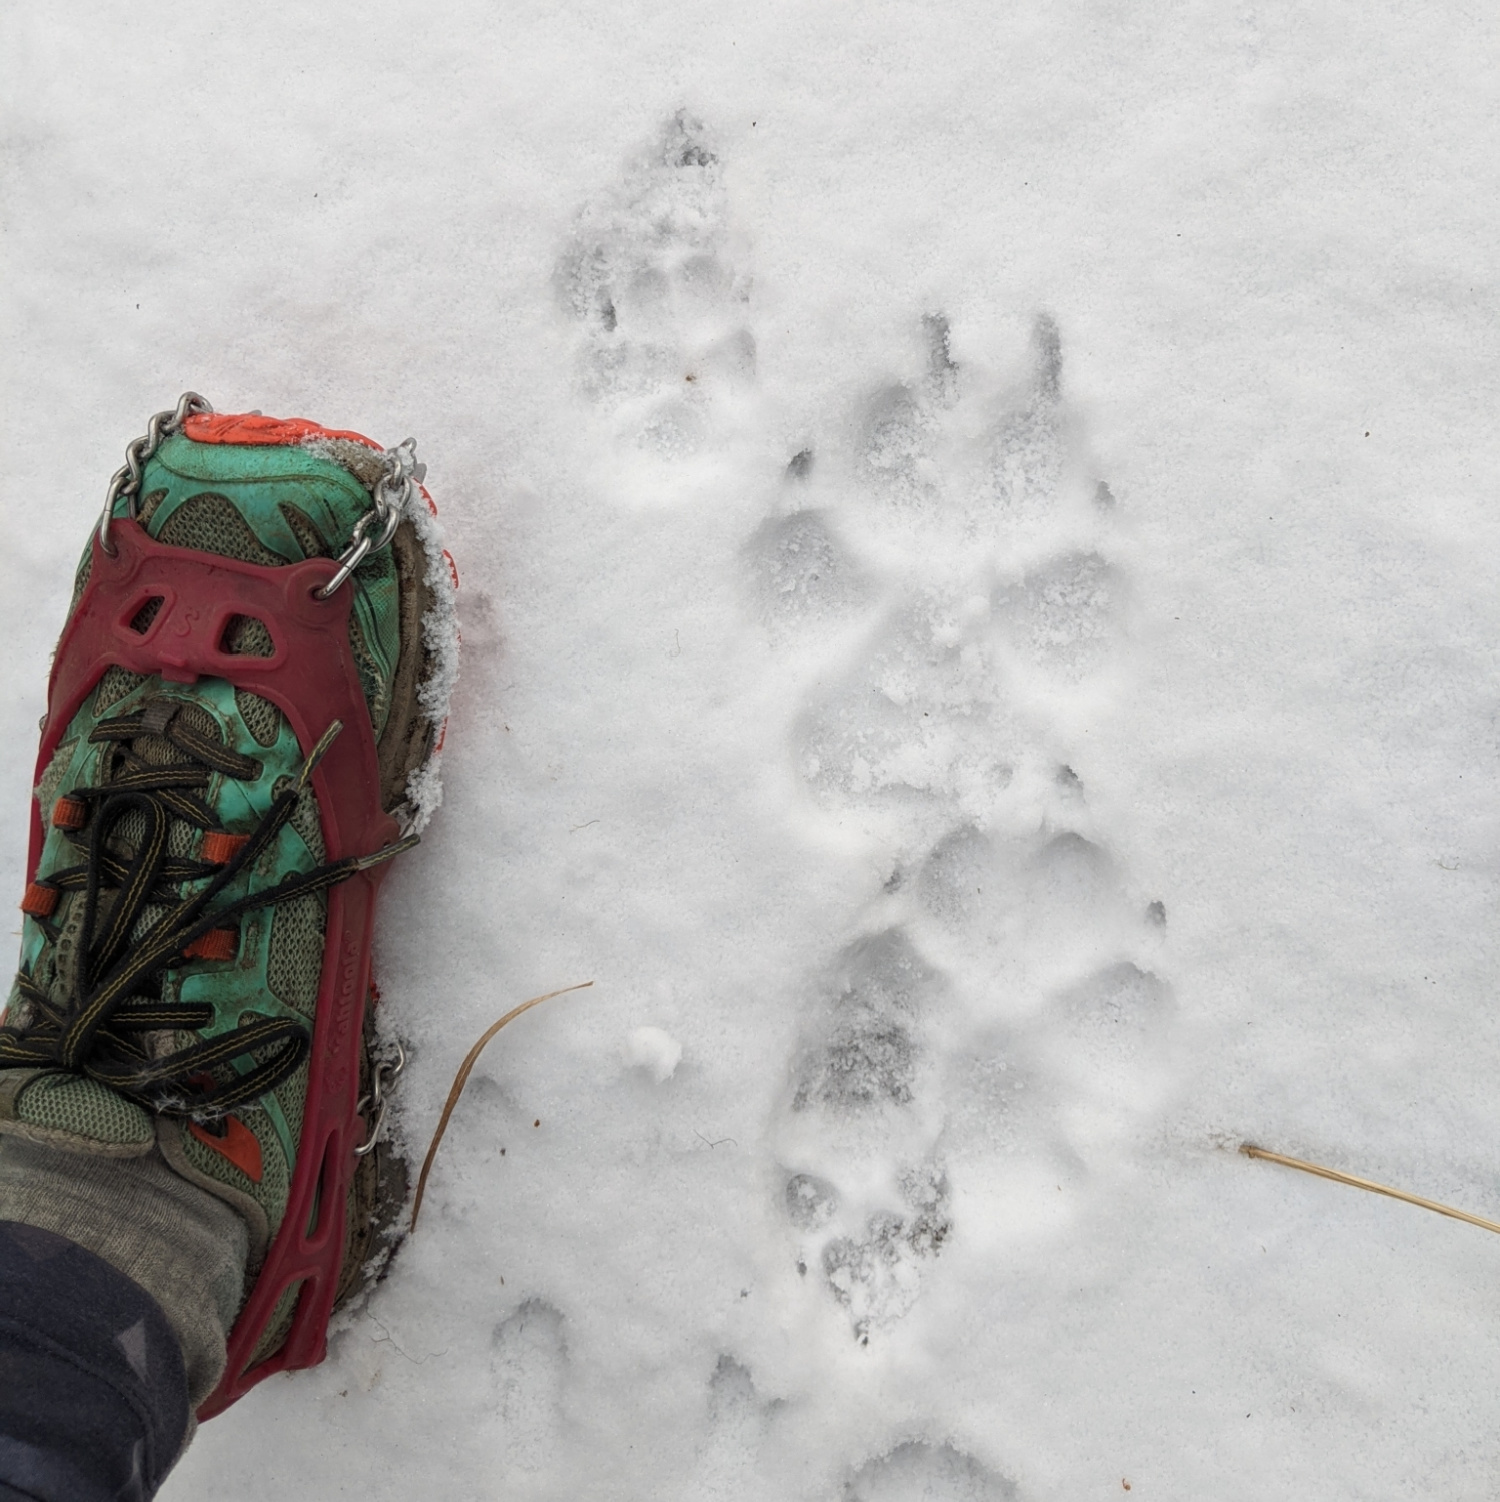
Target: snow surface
{"type": "Point", "coordinates": [980, 581]}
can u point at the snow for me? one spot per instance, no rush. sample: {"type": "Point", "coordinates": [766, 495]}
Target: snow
{"type": "Point", "coordinates": [656, 1052]}
{"type": "Point", "coordinates": [967, 858]}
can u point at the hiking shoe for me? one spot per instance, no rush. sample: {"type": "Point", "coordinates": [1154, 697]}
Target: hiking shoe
{"type": "Point", "coordinates": [243, 722]}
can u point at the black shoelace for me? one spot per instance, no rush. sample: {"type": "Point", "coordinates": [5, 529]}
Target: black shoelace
{"type": "Point", "coordinates": [102, 1027]}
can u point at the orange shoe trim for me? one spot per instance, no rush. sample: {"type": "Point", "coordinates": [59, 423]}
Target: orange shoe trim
{"type": "Point", "coordinates": [216, 944]}
{"type": "Point", "coordinates": [69, 813]}
{"type": "Point", "coordinates": [251, 428]}
{"type": "Point", "coordinates": [219, 848]}
{"type": "Point", "coordinates": [39, 901]}
{"type": "Point", "coordinates": [239, 1145]}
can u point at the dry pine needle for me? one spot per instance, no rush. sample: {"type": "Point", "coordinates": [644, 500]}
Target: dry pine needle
{"type": "Point", "coordinates": [462, 1078]}
{"type": "Point", "coordinates": [1250, 1150]}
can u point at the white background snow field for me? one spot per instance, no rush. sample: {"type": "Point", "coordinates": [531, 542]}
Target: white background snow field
{"type": "Point", "coordinates": [980, 568]}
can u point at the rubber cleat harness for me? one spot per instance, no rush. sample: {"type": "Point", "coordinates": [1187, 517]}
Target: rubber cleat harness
{"type": "Point", "coordinates": [310, 675]}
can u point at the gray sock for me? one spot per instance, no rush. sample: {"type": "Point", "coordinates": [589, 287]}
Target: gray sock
{"type": "Point", "coordinates": [186, 1248]}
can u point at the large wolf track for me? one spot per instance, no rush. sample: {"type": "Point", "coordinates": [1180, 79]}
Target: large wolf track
{"type": "Point", "coordinates": [1006, 925]}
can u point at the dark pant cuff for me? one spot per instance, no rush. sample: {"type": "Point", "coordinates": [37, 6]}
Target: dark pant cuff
{"type": "Point", "coordinates": [93, 1395]}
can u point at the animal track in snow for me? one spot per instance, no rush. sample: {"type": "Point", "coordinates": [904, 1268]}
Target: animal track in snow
{"type": "Point", "coordinates": [650, 275]}
{"type": "Point", "coordinates": [898, 430]}
{"type": "Point", "coordinates": [857, 1111]}
{"type": "Point", "coordinates": [1026, 460]}
{"type": "Point", "coordinates": [931, 1473]}
{"type": "Point", "coordinates": [1062, 615]}
{"type": "Point", "coordinates": [975, 502]}
{"type": "Point", "coordinates": [801, 573]}
{"type": "Point", "coordinates": [980, 518]}
{"type": "Point", "coordinates": [738, 1418]}
{"type": "Point", "coordinates": [528, 1368]}
{"type": "Point", "coordinates": [995, 1005]}
{"type": "Point", "coordinates": [915, 731]}
{"type": "Point", "coordinates": [732, 1400]}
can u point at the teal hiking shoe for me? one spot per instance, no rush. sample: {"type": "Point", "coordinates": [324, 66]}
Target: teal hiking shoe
{"type": "Point", "coordinates": [244, 718]}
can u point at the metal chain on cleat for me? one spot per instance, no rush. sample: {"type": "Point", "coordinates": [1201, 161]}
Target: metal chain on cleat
{"type": "Point", "coordinates": [382, 1077]}
{"type": "Point", "coordinates": [390, 496]}
{"type": "Point", "coordinates": [126, 481]}
{"type": "Point", "coordinates": [392, 492]}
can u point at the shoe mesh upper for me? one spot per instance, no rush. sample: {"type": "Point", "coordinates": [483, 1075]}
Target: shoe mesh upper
{"type": "Point", "coordinates": [209, 523]}
{"type": "Point", "coordinates": [68, 1103]}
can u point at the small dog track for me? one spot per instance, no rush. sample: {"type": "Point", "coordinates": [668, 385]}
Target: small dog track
{"type": "Point", "coordinates": [651, 277]}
